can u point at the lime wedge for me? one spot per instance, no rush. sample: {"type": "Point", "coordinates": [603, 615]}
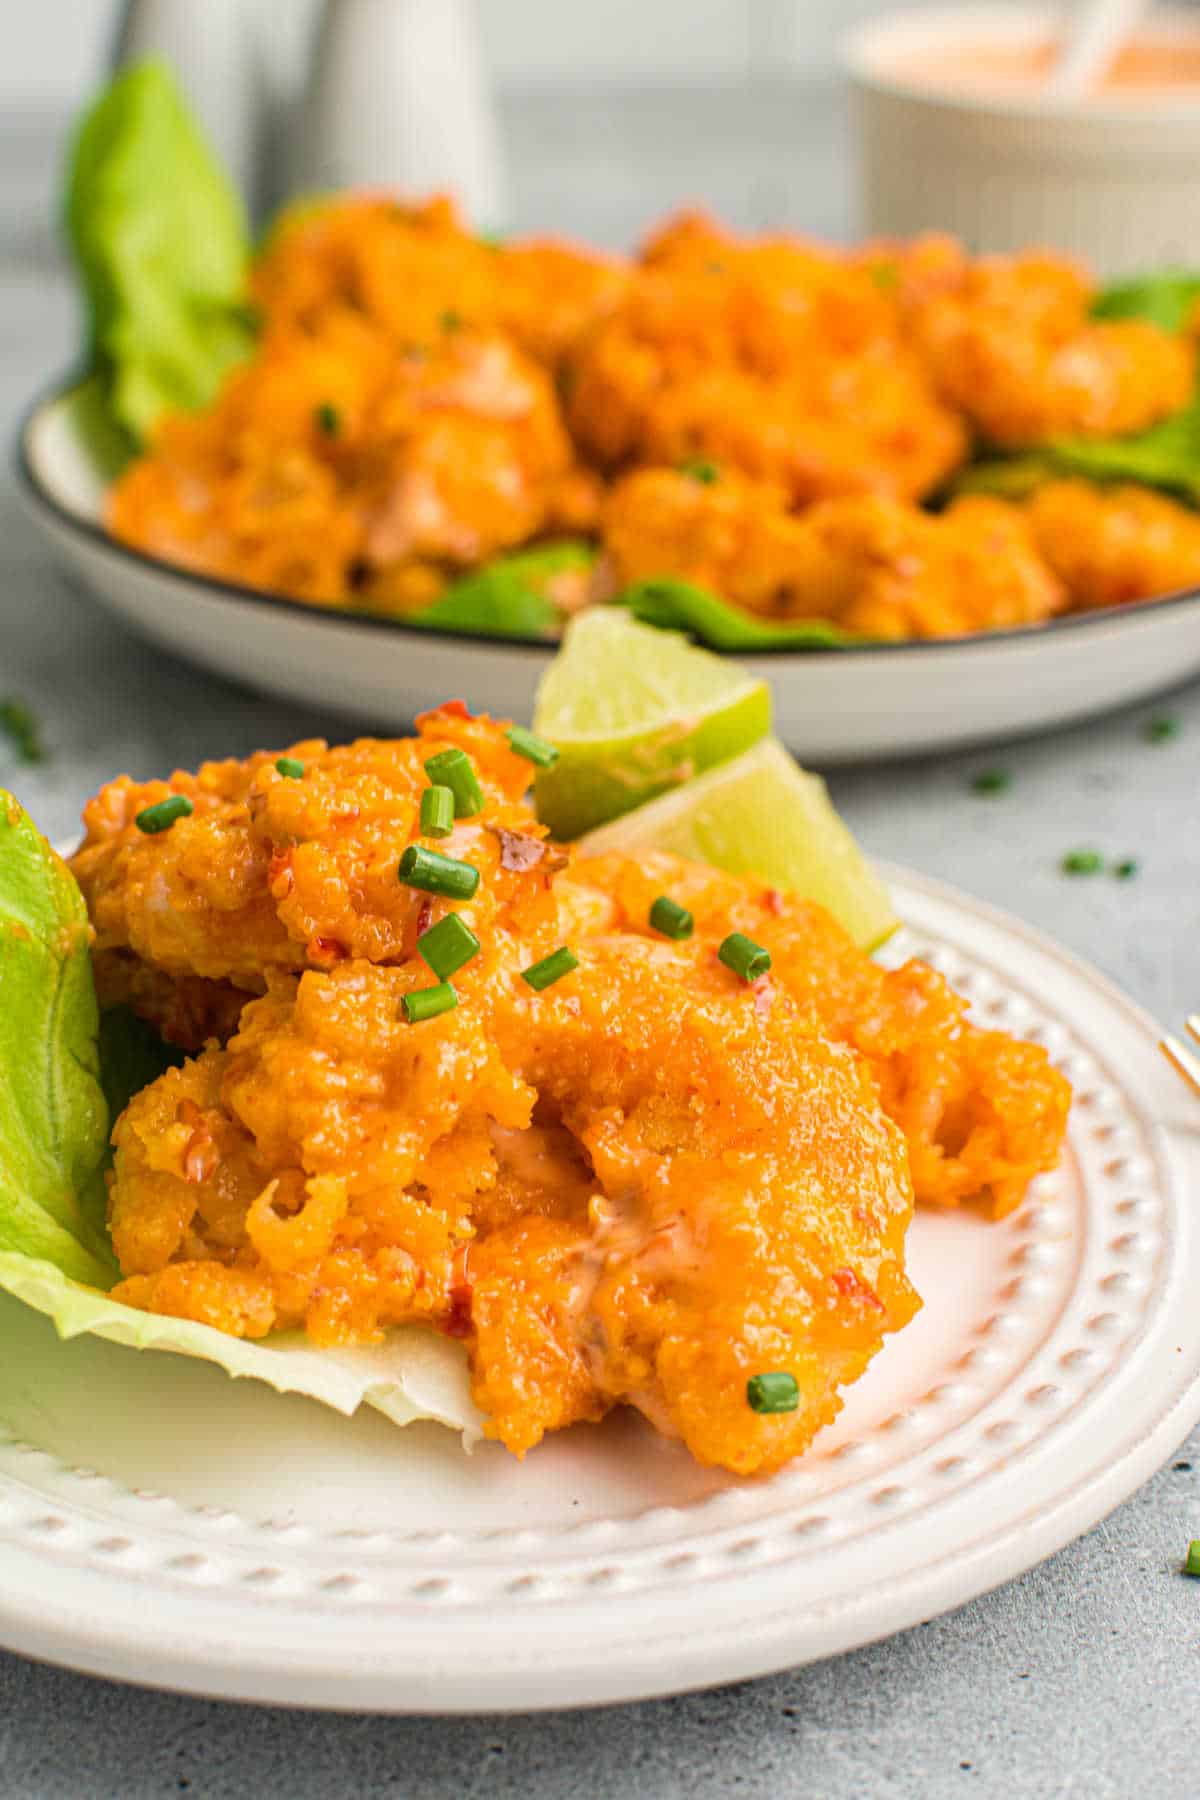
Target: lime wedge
{"type": "Point", "coordinates": [763, 815]}
{"type": "Point", "coordinates": [636, 712]}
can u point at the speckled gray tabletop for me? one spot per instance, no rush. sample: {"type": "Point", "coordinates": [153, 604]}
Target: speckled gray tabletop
{"type": "Point", "coordinates": [1078, 1679]}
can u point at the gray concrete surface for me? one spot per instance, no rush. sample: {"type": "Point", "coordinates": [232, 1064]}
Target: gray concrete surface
{"type": "Point", "coordinates": [1078, 1679]}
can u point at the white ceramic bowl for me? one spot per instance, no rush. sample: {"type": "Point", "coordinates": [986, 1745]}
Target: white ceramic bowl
{"type": "Point", "coordinates": [1115, 181]}
{"type": "Point", "coordinates": [830, 706]}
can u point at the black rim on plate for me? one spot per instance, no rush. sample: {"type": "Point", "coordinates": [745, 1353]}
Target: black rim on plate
{"type": "Point", "coordinates": [102, 540]}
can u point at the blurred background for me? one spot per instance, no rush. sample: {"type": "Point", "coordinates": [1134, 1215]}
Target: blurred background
{"type": "Point", "coordinates": [610, 113]}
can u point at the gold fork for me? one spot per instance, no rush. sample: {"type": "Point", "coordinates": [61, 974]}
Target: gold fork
{"type": "Point", "coordinates": [1180, 1057]}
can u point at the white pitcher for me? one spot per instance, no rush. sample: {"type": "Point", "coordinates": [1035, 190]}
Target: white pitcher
{"type": "Point", "coordinates": [398, 98]}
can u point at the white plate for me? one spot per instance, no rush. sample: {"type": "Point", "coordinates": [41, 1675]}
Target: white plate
{"type": "Point", "coordinates": [162, 1524]}
{"type": "Point", "coordinates": [831, 706]}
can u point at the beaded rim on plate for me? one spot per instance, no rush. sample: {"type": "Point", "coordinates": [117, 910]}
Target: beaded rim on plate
{"type": "Point", "coordinates": [981, 1473]}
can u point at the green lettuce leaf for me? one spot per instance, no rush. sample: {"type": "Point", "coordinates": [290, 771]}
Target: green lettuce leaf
{"type": "Point", "coordinates": [53, 1118]}
{"type": "Point", "coordinates": [162, 249]}
{"type": "Point", "coordinates": [414, 1374]}
{"type": "Point", "coordinates": [1166, 298]}
{"type": "Point", "coordinates": [1167, 456]}
{"type": "Point", "coordinates": [508, 597]}
{"type": "Point", "coordinates": [132, 1055]}
{"type": "Point", "coordinates": [680, 606]}
{"type": "Point", "coordinates": [54, 1249]}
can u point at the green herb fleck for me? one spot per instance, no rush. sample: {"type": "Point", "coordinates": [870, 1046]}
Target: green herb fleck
{"type": "Point", "coordinates": [552, 968]}
{"type": "Point", "coordinates": [427, 1003]}
{"type": "Point", "coordinates": [453, 769]}
{"type": "Point", "coordinates": [163, 814]}
{"type": "Point", "coordinates": [776, 1392]}
{"type": "Point", "coordinates": [1192, 1565]}
{"type": "Point", "coordinates": [671, 919]}
{"type": "Point", "coordinates": [1126, 869]}
{"type": "Point", "coordinates": [991, 781]}
{"type": "Point", "coordinates": [886, 277]}
{"type": "Point", "coordinates": [1159, 730]}
{"type": "Point", "coordinates": [289, 767]}
{"type": "Point", "coordinates": [698, 468]}
{"type": "Point", "coordinates": [22, 731]}
{"type": "Point", "coordinates": [1082, 862]}
{"type": "Point", "coordinates": [437, 812]}
{"type": "Point", "coordinates": [447, 946]}
{"type": "Point", "coordinates": [451, 320]}
{"type": "Point", "coordinates": [744, 956]}
{"type": "Point", "coordinates": [534, 749]}
{"type": "Point", "coordinates": [434, 873]}
{"type": "Point", "coordinates": [328, 420]}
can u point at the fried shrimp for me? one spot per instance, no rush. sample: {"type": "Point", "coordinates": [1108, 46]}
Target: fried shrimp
{"type": "Point", "coordinates": [624, 1229]}
{"type": "Point", "coordinates": [870, 565]}
{"type": "Point", "coordinates": [336, 462]}
{"type": "Point", "coordinates": [1010, 344]}
{"type": "Point", "coordinates": [271, 873]}
{"type": "Point", "coordinates": [1111, 545]}
{"type": "Point", "coordinates": [983, 1113]}
{"type": "Point", "coordinates": [643, 1184]}
{"type": "Point", "coordinates": [777, 358]}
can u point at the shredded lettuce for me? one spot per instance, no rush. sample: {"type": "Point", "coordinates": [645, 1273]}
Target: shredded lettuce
{"type": "Point", "coordinates": [58, 1061]}
{"type": "Point", "coordinates": [161, 244]}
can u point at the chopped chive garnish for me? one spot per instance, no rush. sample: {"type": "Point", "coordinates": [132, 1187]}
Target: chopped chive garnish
{"type": "Point", "coordinates": [289, 767]}
{"type": "Point", "coordinates": [451, 320]}
{"type": "Point", "coordinates": [1192, 1565]}
{"type": "Point", "coordinates": [699, 468]}
{"type": "Point", "coordinates": [552, 968]}
{"type": "Point", "coordinates": [991, 781]}
{"type": "Point", "coordinates": [21, 729]}
{"type": "Point", "coordinates": [329, 420]}
{"type": "Point", "coordinates": [1082, 862]}
{"type": "Point", "coordinates": [163, 814]}
{"type": "Point", "coordinates": [673, 920]}
{"type": "Point", "coordinates": [533, 748]}
{"type": "Point", "coordinates": [427, 1003]}
{"type": "Point", "coordinates": [776, 1392]}
{"type": "Point", "coordinates": [1157, 731]}
{"type": "Point", "coordinates": [434, 873]}
{"type": "Point", "coordinates": [447, 945]}
{"type": "Point", "coordinates": [452, 769]}
{"type": "Point", "coordinates": [1126, 869]}
{"type": "Point", "coordinates": [744, 956]}
{"type": "Point", "coordinates": [437, 812]}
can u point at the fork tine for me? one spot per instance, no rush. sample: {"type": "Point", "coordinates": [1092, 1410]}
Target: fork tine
{"type": "Point", "coordinates": [1182, 1059]}
{"type": "Point", "coordinates": [1193, 1024]}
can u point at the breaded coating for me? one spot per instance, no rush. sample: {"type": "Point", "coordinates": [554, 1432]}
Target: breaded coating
{"type": "Point", "coordinates": [641, 1185]}
{"type": "Point", "coordinates": [423, 400]}
{"type": "Point", "coordinates": [1111, 545]}
{"type": "Point", "coordinates": [272, 874]}
{"type": "Point", "coordinates": [982, 1113]}
{"type": "Point", "coordinates": [726, 1194]}
{"type": "Point", "coordinates": [414, 270]}
{"type": "Point", "coordinates": [1011, 345]}
{"type": "Point", "coordinates": [776, 358]}
{"type": "Point", "coordinates": [870, 565]}
{"type": "Point", "coordinates": [335, 461]}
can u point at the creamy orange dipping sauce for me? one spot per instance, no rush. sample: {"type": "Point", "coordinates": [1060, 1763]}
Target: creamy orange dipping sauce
{"type": "Point", "coordinates": [1145, 67]}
